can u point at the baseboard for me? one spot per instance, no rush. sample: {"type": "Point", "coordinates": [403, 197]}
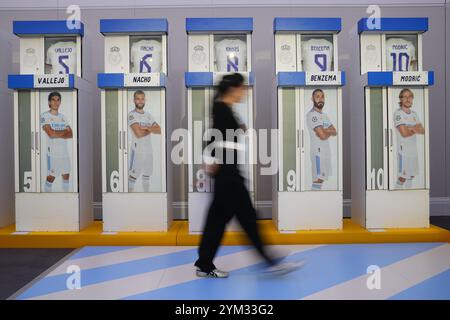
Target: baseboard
{"type": "Point", "coordinates": [439, 206]}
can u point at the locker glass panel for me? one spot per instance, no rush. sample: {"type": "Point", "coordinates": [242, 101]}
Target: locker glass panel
{"type": "Point", "coordinates": [289, 132]}
{"type": "Point", "coordinates": [114, 141]}
{"type": "Point", "coordinates": [376, 142]}
{"type": "Point", "coordinates": [317, 53]}
{"type": "Point", "coordinates": [407, 115]}
{"type": "Point", "coordinates": [200, 115]}
{"type": "Point", "coordinates": [320, 139]}
{"type": "Point", "coordinates": [26, 142]}
{"type": "Point", "coordinates": [60, 55]}
{"type": "Point", "coordinates": [55, 151]}
{"type": "Point", "coordinates": [401, 52]}
{"type": "Point", "coordinates": [230, 53]}
{"type": "Point", "coordinates": [145, 146]}
{"type": "Point", "coordinates": [146, 54]}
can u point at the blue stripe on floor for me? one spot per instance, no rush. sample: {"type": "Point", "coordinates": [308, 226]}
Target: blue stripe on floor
{"type": "Point", "coordinates": [57, 283]}
{"type": "Point", "coordinates": [435, 288]}
{"type": "Point", "coordinates": [94, 251]}
{"type": "Point", "coordinates": [325, 267]}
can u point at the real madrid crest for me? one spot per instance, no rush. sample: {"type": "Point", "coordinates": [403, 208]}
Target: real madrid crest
{"type": "Point", "coordinates": [30, 58]}
{"type": "Point", "coordinates": [114, 57]}
{"type": "Point", "coordinates": [286, 54]}
{"type": "Point", "coordinates": [199, 56]}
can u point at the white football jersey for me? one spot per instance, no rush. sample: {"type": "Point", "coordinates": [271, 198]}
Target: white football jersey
{"type": "Point", "coordinates": [62, 56]}
{"type": "Point", "coordinates": [146, 56]}
{"type": "Point", "coordinates": [56, 147]}
{"type": "Point", "coordinates": [316, 119]}
{"type": "Point", "coordinates": [143, 144]}
{"type": "Point", "coordinates": [399, 54]}
{"type": "Point", "coordinates": [317, 55]}
{"type": "Point", "coordinates": [231, 55]}
{"type": "Point", "coordinates": [406, 145]}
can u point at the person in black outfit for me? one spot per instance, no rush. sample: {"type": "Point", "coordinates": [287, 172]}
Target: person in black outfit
{"type": "Point", "coordinates": [231, 197]}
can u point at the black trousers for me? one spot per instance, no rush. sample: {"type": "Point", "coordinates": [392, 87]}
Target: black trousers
{"type": "Point", "coordinates": [231, 198]}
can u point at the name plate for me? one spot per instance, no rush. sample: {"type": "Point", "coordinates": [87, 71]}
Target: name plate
{"type": "Point", "coordinates": [142, 80]}
{"type": "Point", "coordinates": [51, 81]}
{"type": "Point", "coordinates": [410, 78]}
{"type": "Point", "coordinates": [323, 78]}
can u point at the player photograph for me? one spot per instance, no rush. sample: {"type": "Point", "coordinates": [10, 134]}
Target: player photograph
{"type": "Point", "coordinates": [322, 149]}
{"type": "Point", "coordinates": [56, 141]}
{"type": "Point", "coordinates": [61, 57]}
{"type": "Point", "coordinates": [231, 54]}
{"type": "Point", "coordinates": [317, 54]}
{"type": "Point", "coordinates": [409, 132]}
{"type": "Point", "coordinates": [145, 55]}
{"type": "Point", "coordinates": [143, 151]}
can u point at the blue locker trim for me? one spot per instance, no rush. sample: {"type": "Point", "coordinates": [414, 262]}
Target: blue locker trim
{"type": "Point", "coordinates": [291, 79]}
{"type": "Point", "coordinates": [45, 27]}
{"type": "Point", "coordinates": [19, 81]}
{"type": "Point", "coordinates": [196, 79]}
{"type": "Point", "coordinates": [162, 80]}
{"type": "Point", "coordinates": [219, 24]}
{"type": "Point", "coordinates": [133, 25]}
{"type": "Point", "coordinates": [380, 78]}
{"type": "Point", "coordinates": [71, 81]}
{"type": "Point", "coordinates": [395, 24]}
{"type": "Point", "coordinates": [343, 78]}
{"type": "Point", "coordinates": [307, 24]}
{"type": "Point", "coordinates": [430, 78]}
{"type": "Point", "coordinates": [110, 80]}
{"type": "Point", "coordinates": [206, 79]}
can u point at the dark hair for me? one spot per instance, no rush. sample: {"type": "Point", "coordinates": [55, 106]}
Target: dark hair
{"type": "Point", "coordinates": [229, 81]}
{"type": "Point", "coordinates": [138, 92]}
{"type": "Point", "coordinates": [54, 94]}
{"type": "Point", "coordinates": [316, 90]}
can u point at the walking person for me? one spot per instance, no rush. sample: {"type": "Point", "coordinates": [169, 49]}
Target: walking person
{"type": "Point", "coordinates": [231, 197]}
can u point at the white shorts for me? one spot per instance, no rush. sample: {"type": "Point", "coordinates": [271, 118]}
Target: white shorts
{"type": "Point", "coordinates": [408, 166]}
{"type": "Point", "coordinates": [57, 166]}
{"type": "Point", "coordinates": [140, 163]}
{"type": "Point", "coordinates": [321, 167]}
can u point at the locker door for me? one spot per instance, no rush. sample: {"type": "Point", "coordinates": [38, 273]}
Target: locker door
{"type": "Point", "coordinates": [113, 177]}
{"type": "Point", "coordinates": [145, 154]}
{"type": "Point", "coordinates": [25, 140]}
{"type": "Point", "coordinates": [289, 140]}
{"type": "Point", "coordinates": [56, 147]}
{"type": "Point", "coordinates": [199, 120]}
{"type": "Point", "coordinates": [376, 139]}
{"type": "Point", "coordinates": [320, 141]}
{"type": "Point", "coordinates": [407, 138]}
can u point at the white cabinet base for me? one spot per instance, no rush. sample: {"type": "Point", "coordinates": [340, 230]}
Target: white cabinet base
{"type": "Point", "coordinates": [198, 206]}
{"type": "Point", "coordinates": [135, 212]}
{"type": "Point", "coordinates": [47, 212]}
{"type": "Point", "coordinates": [309, 210]}
{"type": "Point", "coordinates": [397, 209]}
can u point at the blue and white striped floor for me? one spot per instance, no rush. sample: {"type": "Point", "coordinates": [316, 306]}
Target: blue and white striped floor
{"type": "Point", "coordinates": [407, 271]}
